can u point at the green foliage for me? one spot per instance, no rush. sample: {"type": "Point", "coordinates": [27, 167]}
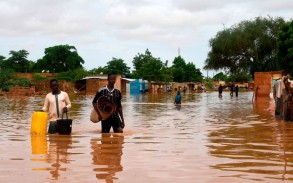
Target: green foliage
{"type": "Point", "coordinates": [140, 59]}
{"type": "Point", "coordinates": [38, 77]}
{"type": "Point", "coordinates": [40, 66]}
{"type": "Point", "coordinates": [166, 72]}
{"type": "Point", "coordinates": [247, 47]}
{"type": "Point", "coordinates": [220, 77]}
{"type": "Point", "coordinates": [117, 66]}
{"type": "Point", "coordinates": [99, 70]}
{"type": "Point", "coordinates": [8, 79]}
{"type": "Point", "coordinates": [285, 47]}
{"type": "Point", "coordinates": [17, 61]}
{"type": "Point", "coordinates": [208, 83]}
{"type": "Point", "coordinates": [73, 75]}
{"type": "Point", "coordinates": [61, 58]}
{"type": "Point", "coordinates": [239, 77]}
{"type": "Point", "coordinates": [22, 82]}
{"type": "Point", "coordinates": [178, 69]}
{"type": "Point", "coordinates": [150, 68]}
{"type": "Point", "coordinates": [6, 76]}
{"type": "Point", "coordinates": [183, 72]}
{"type": "Point", "coordinates": [2, 61]}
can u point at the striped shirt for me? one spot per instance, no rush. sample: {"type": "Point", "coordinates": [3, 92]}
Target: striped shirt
{"type": "Point", "coordinates": [114, 95]}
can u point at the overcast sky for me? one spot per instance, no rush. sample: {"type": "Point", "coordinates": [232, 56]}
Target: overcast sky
{"type": "Point", "coordinates": [103, 29]}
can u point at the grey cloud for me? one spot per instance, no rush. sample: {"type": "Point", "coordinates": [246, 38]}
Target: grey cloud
{"type": "Point", "coordinates": [44, 17]}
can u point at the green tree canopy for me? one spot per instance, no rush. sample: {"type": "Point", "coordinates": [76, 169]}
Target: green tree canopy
{"type": "Point", "coordinates": [166, 72]}
{"type": "Point", "coordinates": [285, 47]}
{"type": "Point", "coordinates": [99, 70]}
{"type": "Point", "coordinates": [239, 77]}
{"type": "Point", "coordinates": [178, 69]}
{"type": "Point", "coordinates": [220, 77]}
{"type": "Point", "coordinates": [73, 75]}
{"type": "Point", "coordinates": [183, 72]}
{"type": "Point", "coordinates": [61, 58]}
{"type": "Point", "coordinates": [2, 62]}
{"type": "Point", "coordinates": [247, 47]}
{"type": "Point", "coordinates": [6, 77]}
{"type": "Point", "coordinates": [17, 61]}
{"type": "Point", "coordinates": [140, 59]}
{"type": "Point", "coordinates": [117, 66]}
{"type": "Point", "coordinates": [150, 68]}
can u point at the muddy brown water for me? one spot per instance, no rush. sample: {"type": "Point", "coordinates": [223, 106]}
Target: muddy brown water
{"type": "Point", "coordinates": [207, 139]}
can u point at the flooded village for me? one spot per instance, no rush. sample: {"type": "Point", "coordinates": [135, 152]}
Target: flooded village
{"type": "Point", "coordinates": [207, 139]}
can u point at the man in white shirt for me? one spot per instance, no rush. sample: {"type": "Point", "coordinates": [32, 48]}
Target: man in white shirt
{"type": "Point", "coordinates": [56, 103]}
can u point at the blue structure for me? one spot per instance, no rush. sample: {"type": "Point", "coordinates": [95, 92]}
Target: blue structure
{"type": "Point", "coordinates": [138, 86]}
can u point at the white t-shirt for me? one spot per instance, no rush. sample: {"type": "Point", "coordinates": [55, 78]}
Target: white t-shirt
{"type": "Point", "coordinates": [51, 107]}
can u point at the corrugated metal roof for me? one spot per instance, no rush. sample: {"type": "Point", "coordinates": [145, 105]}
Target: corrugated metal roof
{"type": "Point", "coordinates": [95, 77]}
{"type": "Point", "coordinates": [128, 79]}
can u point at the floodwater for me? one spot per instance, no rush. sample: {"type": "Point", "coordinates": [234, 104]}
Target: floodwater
{"type": "Point", "coordinates": [207, 139]}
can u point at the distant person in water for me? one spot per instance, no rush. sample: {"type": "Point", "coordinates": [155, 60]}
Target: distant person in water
{"type": "Point", "coordinates": [231, 90]}
{"type": "Point", "coordinates": [184, 89]}
{"type": "Point", "coordinates": [236, 90]}
{"type": "Point", "coordinates": [178, 98]}
{"type": "Point", "coordinates": [220, 89]}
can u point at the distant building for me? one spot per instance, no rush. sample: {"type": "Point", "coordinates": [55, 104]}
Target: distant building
{"type": "Point", "coordinates": [138, 86]}
{"type": "Point", "coordinates": [91, 84]}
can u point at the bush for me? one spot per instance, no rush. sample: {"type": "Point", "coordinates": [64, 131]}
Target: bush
{"type": "Point", "coordinates": [6, 76]}
{"type": "Point", "coordinates": [39, 77]}
{"type": "Point", "coordinates": [73, 75]}
{"type": "Point", "coordinates": [22, 82]}
{"type": "Point", "coordinates": [208, 83]}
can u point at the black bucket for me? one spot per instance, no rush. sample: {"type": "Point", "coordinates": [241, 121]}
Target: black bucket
{"type": "Point", "coordinates": [64, 126]}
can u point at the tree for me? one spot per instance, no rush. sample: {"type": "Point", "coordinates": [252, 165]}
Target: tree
{"type": "Point", "coordinates": [239, 77]}
{"type": "Point", "coordinates": [117, 66]}
{"type": "Point", "coordinates": [166, 72]}
{"type": "Point", "coordinates": [99, 70]}
{"type": "Point", "coordinates": [247, 47]}
{"type": "Point", "coordinates": [18, 61]}
{"type": "Point", "coordinates": [2, 62]}
{"type": "Point", "coordinates": [140, 59]}
{"type": "Point", "coordinates": [191, 73]}
{"type": "Point", "coordinates": [178, 69]}
{"type": "Point", "coordinates": [6, 77]}
{"type": "Point", "coordinates": [183, 72]}
{"type": "Point", "coordinates": [152, 70]}
{"type": "Point", "coordinates": [61, 58]}
{"type": "Point", "coordinates": [220, 77]}
{"type": "Point", "coordinates": [149, 68]}
{"type": "Point", "coordinates": [285, 47]}
{"type": "Point", "coordinates": [73, 75]}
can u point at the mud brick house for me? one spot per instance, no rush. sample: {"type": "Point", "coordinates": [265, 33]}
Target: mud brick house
{"type": "Point", "coordinates": [263, 82]}
{"type": "Point", "coordinates": [91, 84]}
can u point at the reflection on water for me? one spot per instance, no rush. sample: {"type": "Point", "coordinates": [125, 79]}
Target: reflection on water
{"type": "Point", "coordinates": [58, 153]}
{"type": "Point", "coordinates": [208, 139]}
{"type": "Point", "coordinates": [107, 152]}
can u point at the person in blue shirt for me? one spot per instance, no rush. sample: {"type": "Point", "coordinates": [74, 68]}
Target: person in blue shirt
{"type": "Point", "coordinates": [178, 98]}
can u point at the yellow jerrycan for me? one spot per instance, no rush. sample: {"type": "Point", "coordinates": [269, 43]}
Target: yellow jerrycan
{"type": "Point", "coordinates": [39, 123]}
{"type": "Point", "coordinates": [39, 144]}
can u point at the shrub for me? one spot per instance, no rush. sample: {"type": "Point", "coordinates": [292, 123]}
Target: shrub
{"type": "Point", "coordinates": [39, 77]}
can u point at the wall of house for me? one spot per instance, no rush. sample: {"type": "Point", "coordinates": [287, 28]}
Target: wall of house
{"type": "Point", "coordinates": [20, 91]}
{"type": "Point", "coordinates": [43, 86]}
{"type": "Point", "coordinates": [263, 82]}
{"type": "Point", "coordinates": [30, 75]}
